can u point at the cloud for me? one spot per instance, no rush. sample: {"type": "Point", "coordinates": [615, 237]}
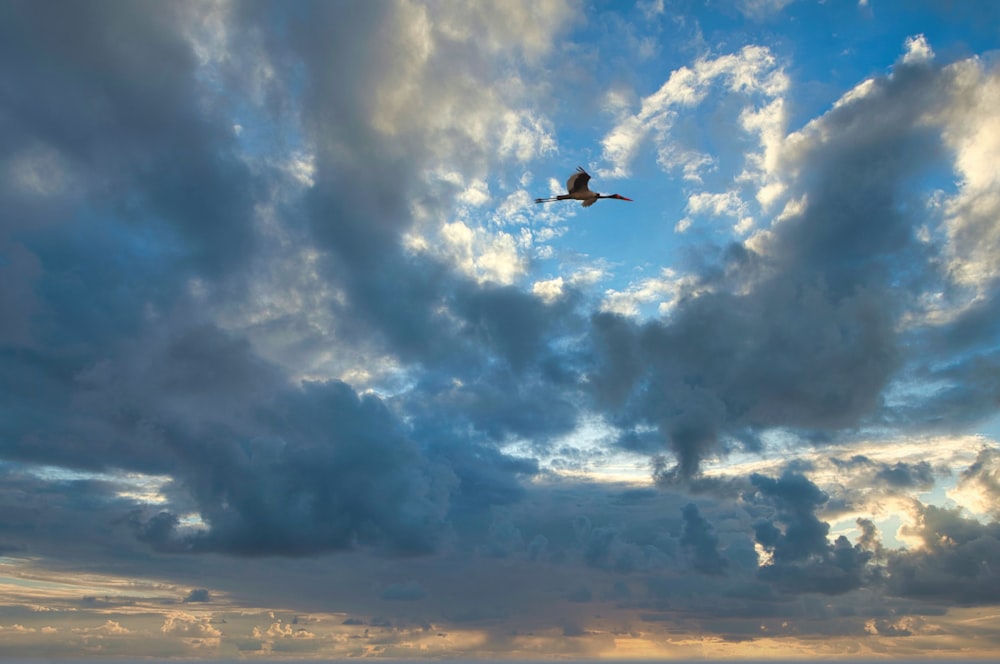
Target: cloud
{"type": "Point", "coordinates": [340, 473]}
{"type": "Point", "coordinates": [198, 595]}
{"type": "Point", "coordinates": [321, 341]}
{"type": "Point", "coordinates": [978, 487]}
{"type": "Point", "coordinates": [955, 563]}
{"type": "Point", "coordinates": [750, 73]}
{"type": "Point", "coordinates": [666, 290]}
{"type": "Point", "coordinates": [109, 628]}
{"type": "Point", "coordinates": [759, 9]}
{"type": "Point", "coordinates": [917, 50]}
{"type": "Point", "coordinates": [701, 543]}
{"type": "Point", "coordinates": [189, 626]}
{"type": "Point", "coordinates": [907, 475]}
{"type": "Point", "coordinates": [798, 327]}
{"type": "Point", "coordinates": [801, 557]}
{"type": "Point", "coordinates": [404, 592]}
{"type": "Point", "coordinates": [111, 132]}
{"type": "Point", "coordinates": [143, 377]}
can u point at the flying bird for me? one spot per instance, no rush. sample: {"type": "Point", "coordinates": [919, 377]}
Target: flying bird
{"type": "Point", "coordinates": [578, 190]}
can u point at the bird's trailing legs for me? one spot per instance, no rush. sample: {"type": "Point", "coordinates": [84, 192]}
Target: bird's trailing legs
{"type": "Point", "coordinates": [561, 197]}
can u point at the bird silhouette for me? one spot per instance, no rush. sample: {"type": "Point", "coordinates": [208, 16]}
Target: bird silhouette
{"type": "Point", "coordinates": [578, 190]}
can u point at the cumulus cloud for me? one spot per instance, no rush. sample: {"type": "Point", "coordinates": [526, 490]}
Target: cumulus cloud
{"type": "Point", "coordinates": [195, 631]}
{"type": "Point", "coordinates": [978, 488]}
{"type": "Point", "coordinates": [801, 556]}
{"type": "Point", "coordinates": [955, 563]}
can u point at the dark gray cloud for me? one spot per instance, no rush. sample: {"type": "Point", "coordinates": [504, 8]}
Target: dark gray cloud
{"type": "Point", "coordinates": [803, 560]}
{"type": "Point", "coordinates": [126, 124]}
{"type": "Point", "coordinates": [142, 191]}
{"type": "Point", "coordinates": [59, 514]}
{"type": "Point", "coordinates": [789, 354]}
{"type": "Point", "coordinates": [960, 359]}
{"type": "Point", "coordinates": [956, 563]}
{"type": "Point", "coordinates": [907, 475]}
{"type": "Point", "coordinates": [899, 475]}
{"type": "Point", "coordinates": [198, 595]}
{"type": "Point", "coordinates": [327, 469]}
{"type": "Point", "coordinates": [701, 544]}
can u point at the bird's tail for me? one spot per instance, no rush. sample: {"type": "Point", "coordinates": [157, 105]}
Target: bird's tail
{"type": "Point", "coordinates": [554, 198]}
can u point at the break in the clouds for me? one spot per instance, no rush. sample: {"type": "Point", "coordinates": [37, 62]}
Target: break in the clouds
{"type": "Point", "coordinates": [292, 366]}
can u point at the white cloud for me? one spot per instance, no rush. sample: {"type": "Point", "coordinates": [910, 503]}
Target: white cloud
{"type": "Point", "coordinates": [188, 626]}
{"type": "Point", "coordinates": [971, 130]}
{"type": "Point", "coordinates": [528, 28]}
{"type": "Point", "coordinates": [762, 169]}
{"type": "Point", "coordinates": [727, 203]}
{"type": "Point", "coordinates": [476, 194]}
{"type": "Point", "coordinates": [768, 194]}
{"type": "Point", "coordinates": [514, 209]}
{"type": "Point", "coordinates": [444, 101]}
{"type": "Point", "coordinates": [549, 290]}
{"type": "Point", "coordinates": [858, 92]}
{"type": "Point", "coordinates": [302, 167]}
{"type": "Point", "coordinates": [743, 226]}
{"type": "Point", "coordinates": [917, 50]}
{"type": "Point", "coordinates": [752, 76]}
{"type": "Point", "coordinates": [109, 628]}
{"type": "Point", "coordinates": [525, 136]}
{"type": "Point", "coordinates": [978, 488]}
{"type": "Point", "coordinates": [664, 290]}
{"type": "Point", "coordinates": [484, 256]}
{"type": "Point", "coordinates": [279, 630]}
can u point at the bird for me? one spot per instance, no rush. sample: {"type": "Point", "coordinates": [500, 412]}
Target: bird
{"type": "Point", "coordinates": [576, 185]}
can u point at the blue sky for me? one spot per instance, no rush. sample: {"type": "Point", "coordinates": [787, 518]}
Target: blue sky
{"type": "Point", "coordinates": [293, 366]}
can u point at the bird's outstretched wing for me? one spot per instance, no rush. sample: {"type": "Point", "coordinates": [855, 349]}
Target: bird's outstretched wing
{"type": "Point", "coordinates": [578, 181]}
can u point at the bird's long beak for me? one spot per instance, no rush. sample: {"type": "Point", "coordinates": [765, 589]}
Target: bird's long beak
{"type": "Point", "coordinates": [625, 199]}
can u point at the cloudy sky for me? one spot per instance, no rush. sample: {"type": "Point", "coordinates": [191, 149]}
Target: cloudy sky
{"type": "Point", "coordinates": [292, 365]}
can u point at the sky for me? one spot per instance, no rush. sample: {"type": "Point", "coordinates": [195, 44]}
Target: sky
{"type": "Point", "coordinates": [292, 365]}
